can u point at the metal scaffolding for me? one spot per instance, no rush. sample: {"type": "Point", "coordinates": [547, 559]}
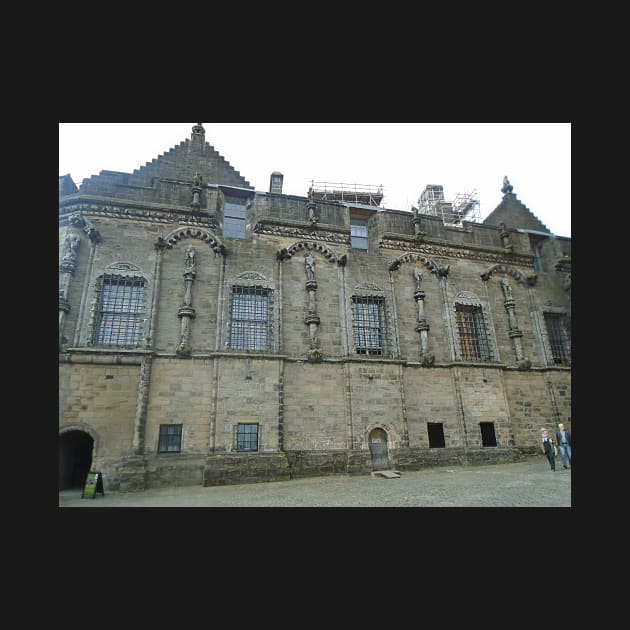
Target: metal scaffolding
{"type": "Point", "coordinates": [465, 206]}
{"type": "Point", "coordinates": [363, 194]}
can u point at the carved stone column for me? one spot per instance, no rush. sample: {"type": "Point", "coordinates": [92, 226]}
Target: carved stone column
{"type": "Point", "coordinates": [515, 333]}
{"type": "Point", "coordinates": [422, 327]}
{"type": "Point", "coordinates": [141, 405]}
{"type": "Point", "coordinates": [187, 312]}
{"type": "Point", "coordinates": [66, 271]}
{"type": "Point", "coordinates": [312, 319]}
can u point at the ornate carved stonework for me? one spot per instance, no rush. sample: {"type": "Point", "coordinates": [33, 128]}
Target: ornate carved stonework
{"type": "Point", "coordinates": [278, 229]}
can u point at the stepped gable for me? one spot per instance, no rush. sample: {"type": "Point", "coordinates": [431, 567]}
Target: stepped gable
{"type": "Point", "coordinates": [514, 213]}
{"type": "Point", "coordinates": [66, 186]}
{"type": "Point", "coordinates": [180, 166]}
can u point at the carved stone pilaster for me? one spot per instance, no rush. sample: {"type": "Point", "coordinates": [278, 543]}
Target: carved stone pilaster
{"type": "Point", "coordinates": [514, 332]}
{"type": "Point", "coordinates": [186, 312]}
{"type": "Point", "coordinates": [312, 319]}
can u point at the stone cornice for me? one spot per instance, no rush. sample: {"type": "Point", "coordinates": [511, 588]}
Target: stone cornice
{"type": "Point", "coordinates": [140, 212]}
{"type": "Point", "coordinates": [302, 230]}
{"type": "Point", "coordinates": [453, 250]}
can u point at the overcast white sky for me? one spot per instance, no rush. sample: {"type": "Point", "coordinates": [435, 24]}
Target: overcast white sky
{"type": "Point", "coordinates": [402, 157]}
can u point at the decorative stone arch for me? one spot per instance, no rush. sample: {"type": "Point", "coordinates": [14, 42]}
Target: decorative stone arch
{"type": "Point", "coordinates": [367, 289]}
{"type": "Point", "coordinates": [507, 270]}
{"type": "Point", "coordinates": [431, 265]}
{"type": "Point", "coordinates": [125, 269]}
{"type": "Point", "coordinates": [380, 440]}
{"type": "Point", "coordinates": [187, 231]}
{"type": "Point", "coordinates": [251, 279]}
{"type": "Point", "coordinates": [393, 439]}
{"type": "Point", "coordinates": [469, 298]}
{"type": "Point", "coordinates": [298, 246]}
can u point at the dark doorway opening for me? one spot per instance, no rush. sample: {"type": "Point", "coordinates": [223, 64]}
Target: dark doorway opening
{"type": "Point", "coordinates": [75, 459]}
{"type": "Point", "coordinates": [488, 436]}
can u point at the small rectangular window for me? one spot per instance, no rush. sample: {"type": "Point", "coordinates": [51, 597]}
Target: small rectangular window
{"type": "Point", "coordinates": [246, 437]}
{"type": "Point", "coordinates": [488, 436]}
{"type": "Point", "coordinates": [436, 435]}
{"type": "Point", "coordinates": [367, 324]}
{"type": "Point", "coordinates": [170, 438]}
{"type": "Point", "coordinates": [559, 338]}
{"type": "Point", "coordinates": [250, 318]}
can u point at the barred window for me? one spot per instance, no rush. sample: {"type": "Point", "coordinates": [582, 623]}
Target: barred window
{"type": "Point", "coordinates": [250, 318]}
{"type": "Point", "coordinates": [120, 308]}
{"type": "Point", "coordinates": [234, 212]}
{"type": "Point", "coordinates": [559, 338]}
{"type": "Point", "coordinates": [367, 323]}
{"type": "Point", "coordinates": [246, 437]}
{"type": "Point", "coordinates": [473, 337]}
{"type": "Point", "coordinates": [170, 438]}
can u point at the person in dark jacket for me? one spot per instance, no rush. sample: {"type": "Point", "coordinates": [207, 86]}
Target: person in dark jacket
{"type": "Point", "coordinates": [563, 438]}
{"type": "Point", "coordinates": [548, 445]}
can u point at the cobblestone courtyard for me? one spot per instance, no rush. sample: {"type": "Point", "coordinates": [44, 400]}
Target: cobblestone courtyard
{"type": "Point", "coordinates": [529, 483]}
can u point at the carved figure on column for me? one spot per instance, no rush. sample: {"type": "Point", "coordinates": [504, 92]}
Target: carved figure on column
{"type": "Point", "coordinates": [505, 287]}
{"type": "Point", "coordinates": [310, 267]}
{"type": "Point", "coordinates": [196, 189]}
{"type": "Point", "coordinates": [71, 245]}
{"type": "Point", "coordinates": [190, 258]}
{"type": "Point", "coordinates": [417, 276]}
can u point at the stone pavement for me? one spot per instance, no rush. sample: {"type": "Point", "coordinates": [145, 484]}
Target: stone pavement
{"type": "Point", "coordinates": [529, 483]}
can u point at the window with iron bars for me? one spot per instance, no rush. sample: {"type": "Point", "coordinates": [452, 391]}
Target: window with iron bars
{"type": "Point", "coordinates": [247, 437]}
{"type": "Point", "coordinates": [119, 312]}
{"type": "Point", "coordinates": [367, 324]}
{"type": "Point", "coordinates": [559, 338]}
{"type": "Point", "coordinates": [170, 438]}
{"type": "Point", "coordinates": [473, 338]}
{"type": "Point", "coordinates": [250, 318]}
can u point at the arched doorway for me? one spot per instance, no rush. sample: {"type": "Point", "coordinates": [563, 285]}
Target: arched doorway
{"type": "Point", "coordinates": [75, 458]}
{"type": "Point", "coordinates": [378, 449]}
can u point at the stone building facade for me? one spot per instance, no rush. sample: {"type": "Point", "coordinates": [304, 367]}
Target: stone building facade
{"type": "Point", "coordinates": [212, 334]}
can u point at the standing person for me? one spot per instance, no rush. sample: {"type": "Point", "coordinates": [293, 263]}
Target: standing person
{"type": "Point", "coordinates": [563, 438]}
{"type": "Point", "coordinates": [548, 447]}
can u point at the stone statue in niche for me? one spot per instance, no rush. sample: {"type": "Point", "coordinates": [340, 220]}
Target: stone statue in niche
{"type": "Point", "coordinates": [190, 257]}
{"type": "Point", "coordinates": [70, 248]}
{"type": "Point", "coordinates": [310, 267]}
{"type": "Point", "coordinates": [417, 276]}
{"type": "Point", "coordinates": [507, 290]}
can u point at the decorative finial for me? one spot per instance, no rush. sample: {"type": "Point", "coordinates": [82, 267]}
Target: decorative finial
{"type": "Point", "coordinates": [198, 129]}
{"type": "Point", "coordinates": [507, 187]}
